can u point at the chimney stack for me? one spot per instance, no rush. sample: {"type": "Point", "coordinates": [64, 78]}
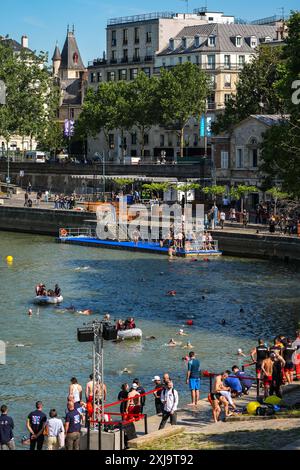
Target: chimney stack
{"type": "Point", "coordinates": [24, 42]}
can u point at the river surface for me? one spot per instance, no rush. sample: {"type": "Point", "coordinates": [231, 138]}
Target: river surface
{"type": "Point", "coordinates": [43, 352]}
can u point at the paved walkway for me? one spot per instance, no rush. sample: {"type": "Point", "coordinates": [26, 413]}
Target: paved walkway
{"type": "Point", "coordinates": [199, 420]}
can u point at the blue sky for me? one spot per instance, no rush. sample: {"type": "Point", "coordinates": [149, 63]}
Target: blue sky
{"type": "Point", "coordinates": [45, 21]}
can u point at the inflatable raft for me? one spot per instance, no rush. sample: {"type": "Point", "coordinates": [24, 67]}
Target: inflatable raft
{"type": "Point", "coordinates": [136, 333]}
{"type": "Point", "coordinates": [46, 300]}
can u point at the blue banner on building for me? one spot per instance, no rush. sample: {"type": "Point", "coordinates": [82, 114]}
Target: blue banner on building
{"type": "Point", "coordinates": [202, 126]}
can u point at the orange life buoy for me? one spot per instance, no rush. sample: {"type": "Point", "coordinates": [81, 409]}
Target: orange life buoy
{"type": "Point", "coordinates": [63, 232]}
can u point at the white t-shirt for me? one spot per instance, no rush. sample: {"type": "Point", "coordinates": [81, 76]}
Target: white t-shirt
{"type": "Point", "coordinates": [55, 427]}
{"type": "Point", "coordinates": [223, 216]}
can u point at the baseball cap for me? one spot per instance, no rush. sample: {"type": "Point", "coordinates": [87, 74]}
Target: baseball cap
{"type": "Point", "coordinates": [135, 386]}
{"type": "Point", "coordinates": [156, 378]}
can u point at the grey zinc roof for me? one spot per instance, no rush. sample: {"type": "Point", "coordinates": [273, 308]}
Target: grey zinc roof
{"type": "Point", "coordinates": [225, 34]}
{"type": "Point", "coordinates": [72, 93]}
{"type": "Point", "coordinates": [270, 119]}
{"type": "Point", "coordinates": [15, 45]}
{"type": "Point", "coordinates": [67, 55]}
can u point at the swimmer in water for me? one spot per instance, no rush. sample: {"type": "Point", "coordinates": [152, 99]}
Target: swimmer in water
{"type": "Point", "coordinates": [181, 333]}
{"type": "Point", "coordinates": [126, 371]}
{"type": "Point", "coordinates": [223, 322]}
{"type": "Point", "coordinates": [30, 312]}
{"type": "Point", "coordinates": [240, 353]}
{"type": "Point", "coordinates": [188, 346]}
{"type": "Point", "coordinates": [86, 312]}
{"type": "Point", "coordinates": [71, 308]}
{"type": "Point", "coordinates": [148, 338]}
{"type": "Point", "coordinates": [172, 293]}
{"type": "Point", "coordinates": [172, 343]}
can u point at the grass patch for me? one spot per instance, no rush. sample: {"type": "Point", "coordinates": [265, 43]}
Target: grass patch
{"type": "Point", "coordinates": [239, 440]}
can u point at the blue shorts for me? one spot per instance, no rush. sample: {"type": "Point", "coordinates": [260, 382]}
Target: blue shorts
{"type": "Point", "coordinates": [195, 384]}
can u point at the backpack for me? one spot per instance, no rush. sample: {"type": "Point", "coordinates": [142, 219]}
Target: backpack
{"type": "Point", "coordinates": [265, 410]}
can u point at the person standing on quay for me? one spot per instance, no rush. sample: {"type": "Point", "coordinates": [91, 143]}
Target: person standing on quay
{"type": "Point", "coordinates": [72, 428]}
{"type": "Point", "coordinates": [193, 378]}
{"type": "Point", "coordinates": [7, 441]}
{"type": "Point", "coordinates": [169, 399]}
{"type": "Point", "coordinates": [36, 423]}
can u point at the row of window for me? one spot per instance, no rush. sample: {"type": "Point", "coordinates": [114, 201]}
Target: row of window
{"type": "Point", "coordinates": [211, 61]}
{"type": "Point", "coordinates": [122, 74]}
{"type": "Point", "coordinates": [136, 55]}
{"type": "Point", "coordinates": [148, 37]}
{"type": "Point", "coordinates": [212, 41]}
{"type": "Point", "coordinates": [239, 161]}
{"type": "Point", "coordinates": [164, 141]}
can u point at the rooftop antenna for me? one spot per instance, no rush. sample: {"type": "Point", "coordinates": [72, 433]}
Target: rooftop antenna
{"type": "Point", "coordinates": [73, 29]}
{"type": "Point", "coordinates": [68, 28]}
{"type": "Point", "coordinates": [187, 5]}
{"type": "Point", "coordinates": [282, 9]}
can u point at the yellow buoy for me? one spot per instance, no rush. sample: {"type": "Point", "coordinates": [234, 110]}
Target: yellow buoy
{"type": "Point", "coordinates": [273, 400]}
{"type": "Point", "coordinates": [9, 259]}
{"type": "Point", "coordinates": [252, 407]}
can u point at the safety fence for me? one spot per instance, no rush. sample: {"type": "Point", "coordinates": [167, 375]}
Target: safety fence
{"type": "Point", "coordinates": [107, 421]}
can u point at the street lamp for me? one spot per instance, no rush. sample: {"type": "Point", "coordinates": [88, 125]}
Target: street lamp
{"type": "Point", "coordinates": [102, 158]}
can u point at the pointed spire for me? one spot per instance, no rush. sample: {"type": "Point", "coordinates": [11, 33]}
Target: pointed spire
{"type": "Point", "coordinates": [73, 29]}
{"type": "Point", "coordinates": [57, 54]}
{"type": "Point", "coordinates": [70, 56]}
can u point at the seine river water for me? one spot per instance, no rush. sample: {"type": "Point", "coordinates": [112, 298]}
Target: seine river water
{"type": "Point", "coordinates": [43, 352]}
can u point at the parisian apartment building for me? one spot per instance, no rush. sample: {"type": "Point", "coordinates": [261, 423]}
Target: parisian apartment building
{"type": "Point", "coordinates": [217, 43]}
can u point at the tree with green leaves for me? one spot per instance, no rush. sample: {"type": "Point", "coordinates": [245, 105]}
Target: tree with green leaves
{"type": "Point", "coordinates": [143, 105]}
{"type": "Point", "coordinates": [156, 188]}
{"type": "Point", "coordinates": [32, 96]}
{"type": "Point", "coordinates": [277, 195]}
{"type": "Point", "coordinates": [122, 183]}
{"type": "Point", "coordinates": [215, 191]}
{"type": "Point", "coordinates": [104, 109]}
{"type": "Point", "coordinates": [182, 92]}
{"type": "Point", "coordinates": [256, 91]}
{"type": "Point", "coordinates": [281, 146]}
{"type": "Point", "coordinates": [238, 193]}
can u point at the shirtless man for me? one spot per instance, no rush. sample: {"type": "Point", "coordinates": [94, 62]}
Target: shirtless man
{"type": "Point", "coordinates": [134, 401]}
{"type": "Point", "coordinates": [267, 370]}
{"type": "Point", "coordinates": [217, 399]}
{"type": "Point", "coordinates": [101, 391]}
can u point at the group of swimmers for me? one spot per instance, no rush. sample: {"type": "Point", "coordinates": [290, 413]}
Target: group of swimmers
{"type": "Point", "coordinates": [41, 291]}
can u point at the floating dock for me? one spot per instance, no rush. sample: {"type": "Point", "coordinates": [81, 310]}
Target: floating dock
{"type": "Point", "coordinates": [142, 246]}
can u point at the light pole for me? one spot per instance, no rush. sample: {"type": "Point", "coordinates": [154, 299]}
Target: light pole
{"type": "Point", "coordinates": [102, 158]}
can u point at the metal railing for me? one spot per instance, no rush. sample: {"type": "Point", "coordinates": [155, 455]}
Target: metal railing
{"type": "Point", "coordinates": [138, 18]}
{"type": "Point", "coordinates": [76, 232]}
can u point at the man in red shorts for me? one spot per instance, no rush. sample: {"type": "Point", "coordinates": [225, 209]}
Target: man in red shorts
{"type": "Point", "coordinates": [267, 370]}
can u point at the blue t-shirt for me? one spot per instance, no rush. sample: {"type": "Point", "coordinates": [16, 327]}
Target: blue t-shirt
{"type": "Point", "coordinates": [37, 420]}
{"type": "Point", "coordinates": [234, 383]}
{"type": "Point", "coordinates": [194, 368]}
{"type": "Point", "coordinates": [74, 418]}
{"type": "Point", "coordinates": [6, 427]}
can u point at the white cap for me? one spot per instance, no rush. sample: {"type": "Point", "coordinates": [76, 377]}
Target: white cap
{"type": "Point", "coordinates": [156, 378]}
{"type": "Point", "coordinates": [240, 351]}
{"type": "Point", "coordinates": [134, 386]}
{"type": "Point", "coordinates": [180, 331]}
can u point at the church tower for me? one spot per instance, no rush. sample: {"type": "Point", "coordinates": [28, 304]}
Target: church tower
{"type": "Point", "coordinates": [71, 62]}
